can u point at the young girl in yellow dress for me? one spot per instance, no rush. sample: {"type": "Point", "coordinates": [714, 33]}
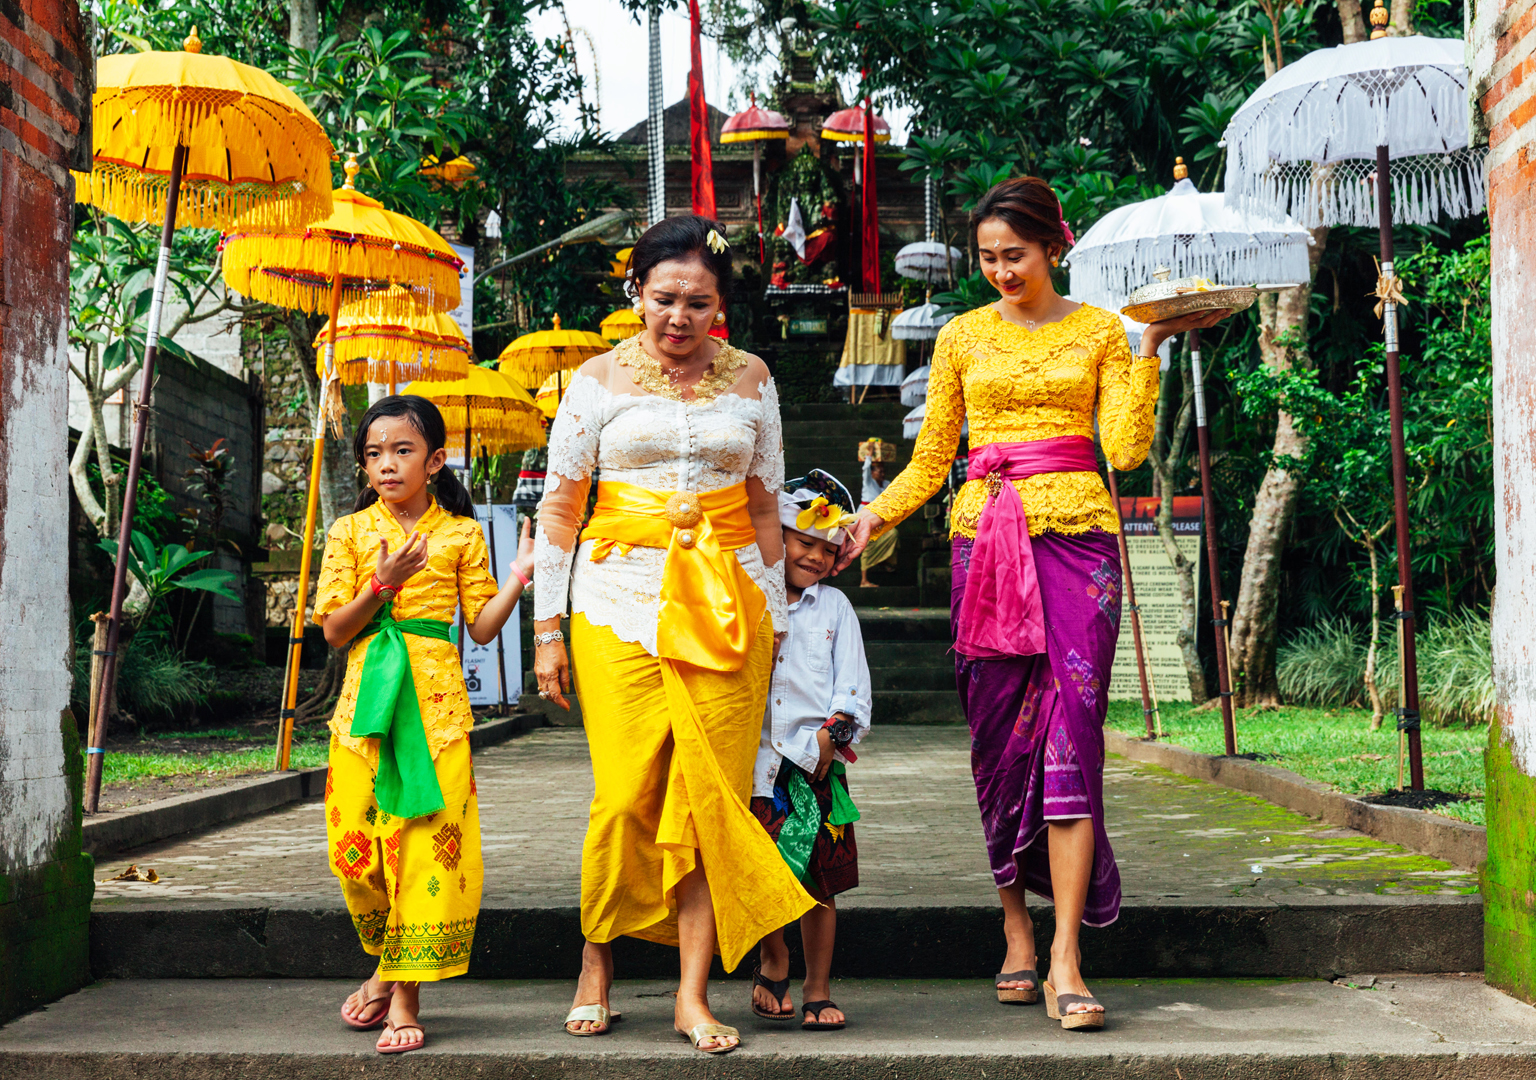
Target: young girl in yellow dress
{"type": "Point", "coordinates": [402, 822]}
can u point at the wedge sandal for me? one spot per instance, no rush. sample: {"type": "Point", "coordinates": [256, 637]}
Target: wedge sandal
{"type": "Point", "coordinates": [1057, 1007]}
{"type": "Point", "coordinates": [777, 989]}
{"type": "Point", "coordinates": [1015, 995]}
{"type": "Point", "coordinates": [815, 1009]}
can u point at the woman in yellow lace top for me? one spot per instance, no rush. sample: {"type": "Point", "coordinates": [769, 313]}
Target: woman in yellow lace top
{"type": "Point", "coordinates": [1035, 600]}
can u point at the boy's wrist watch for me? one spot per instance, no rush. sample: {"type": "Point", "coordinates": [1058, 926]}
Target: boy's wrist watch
{"type": "Point", "coordinates": [840, 731]}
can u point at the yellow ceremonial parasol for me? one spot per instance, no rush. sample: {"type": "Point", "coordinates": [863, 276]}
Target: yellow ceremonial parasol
{"type": "Point", "coordinates": [620, 262]}
{"type": "Point", "coordinates": [453, 171]}
{"type": "Point", "coordinates": [622, 324]}
{"type": "Point", "coordinates": [195, 140]}
{"type": "Point", "coordinates": [426, 345]}
{"type": "Point", "coordinates": [492, 409]}
{"type": "Point", "coordinates": [387, 265]}
{"type": "Point", "coordinates": [532, 358]}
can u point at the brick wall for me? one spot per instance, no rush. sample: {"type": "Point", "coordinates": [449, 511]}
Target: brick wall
{"type": "Point", "coordinates": [45, 880]}
{"type": "Point", "coordinates": [1501, 46]}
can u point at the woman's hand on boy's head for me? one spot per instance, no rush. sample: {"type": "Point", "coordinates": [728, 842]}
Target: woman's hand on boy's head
{"type": "Point", "coordinates": [395, 568]}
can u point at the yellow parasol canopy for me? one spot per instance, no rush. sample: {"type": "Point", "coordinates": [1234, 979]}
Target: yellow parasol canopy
{"type": "Point", "coordinates": [620, 262]}
{"type": "Point", "coordinates": [426, 345]}
{"type": "Point", "coordinates": [253, 147]}
{"type": "Point", "coordinates": [497, 411]}
{"type": "Point", "coordinates": [550, 393]}
{"type": "Point", "coordinates": [622, 324]}
{"type": "Point", "coordinates": [453, 171]}
{"type": "Point", "coordinates": [533, 357]}
{"type": "Point", "coordinates": [362, 247]}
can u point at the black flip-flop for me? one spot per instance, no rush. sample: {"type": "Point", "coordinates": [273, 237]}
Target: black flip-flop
{"type": "Point", "coordinates": [777, 989]}
{"type": "Point", "coordinates": [815, 1008]}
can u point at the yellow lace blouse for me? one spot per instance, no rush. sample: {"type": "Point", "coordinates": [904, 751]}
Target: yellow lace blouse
{"type": "Point", "coordinates": [1018, 385]}
{"type": "Point", "coordinates": [457, 567]}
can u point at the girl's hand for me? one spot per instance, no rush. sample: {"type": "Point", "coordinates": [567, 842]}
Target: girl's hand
{"type": "Point", "coordinates": [523, 564]}
{"type": "Point", "coordinates": [824, 744]}
{"type": "Point", "coordinates": [857, 539]}
{"type": "Point", "coordinates": [396, 568]}
{"type": "Point", "coordinates": [1156, 333]}
{"type": "Point", "coordinates": [553, 671]}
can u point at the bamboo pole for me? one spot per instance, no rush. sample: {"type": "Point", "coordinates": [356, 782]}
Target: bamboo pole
{"type": "Point", "coordinates": [1208, 501]}
{"type": "Point", "coordinates": [285, 716]}
{"type": "Point", "coordinates": [96, 752]}
{"type": "Point", "coordinates": [96, 717]}
{"type": "Point", "coordinates": [1148, 702]}
{"type": "Point", "coordinates": [1408, 703]}
{"type": "Point", "coordinates": [1397, 607]}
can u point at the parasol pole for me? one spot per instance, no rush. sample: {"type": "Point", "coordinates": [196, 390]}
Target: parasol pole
{"type": "Point", "coordinates": [285, 716]}
{"type": "Point", "coordinates": [490, 513]}
{"type": "Point", "coordinates": [96, 751]}
{"type": "Point", "coordinates": [394, 378]}
{"type": "Point", "coordinates": [1408, 707]}
{"type": "Point", "coordinates": [1208, 501]}
{"type": "Point", "coordinates": [757, 193]}
{"type": "Point", "coordinates": [1148, 705]}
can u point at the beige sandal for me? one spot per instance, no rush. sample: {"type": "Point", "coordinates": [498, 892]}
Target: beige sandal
{"type": "Point", "coordinates": [596, 1014]}
{"type": "Point", "coordinates": [379, 1020]}
{"type": "Point", "coordinates": [1056, 1006]}
{"type": "Point", "coordinates": [1018, 995]}
{"type": "Point", "coordinates": [700, 1032]}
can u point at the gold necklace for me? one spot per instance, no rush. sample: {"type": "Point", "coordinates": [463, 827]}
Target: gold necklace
{"type": "Point", "coordinates": [651, 376]}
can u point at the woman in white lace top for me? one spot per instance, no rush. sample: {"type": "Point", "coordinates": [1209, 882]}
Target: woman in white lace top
{"type": "Point", "coordinates": [675, 588]}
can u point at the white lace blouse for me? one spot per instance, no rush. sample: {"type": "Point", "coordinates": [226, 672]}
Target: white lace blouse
{"type": "Point", "coordinates": [607, 423]}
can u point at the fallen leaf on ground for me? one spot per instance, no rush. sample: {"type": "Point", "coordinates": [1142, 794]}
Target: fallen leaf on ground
{"type": "Point", "coordinates": [133, 873]}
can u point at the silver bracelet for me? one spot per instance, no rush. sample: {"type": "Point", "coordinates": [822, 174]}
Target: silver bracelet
{"type": "Point", "coordinates": [549, 637]}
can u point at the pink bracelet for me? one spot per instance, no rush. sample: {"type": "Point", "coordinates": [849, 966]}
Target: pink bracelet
{"type": "Point", "coordinates": [526, 582]}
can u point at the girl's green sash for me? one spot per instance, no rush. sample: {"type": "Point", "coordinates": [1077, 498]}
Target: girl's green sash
{"type": "Point", "coordinates": [406, 782]}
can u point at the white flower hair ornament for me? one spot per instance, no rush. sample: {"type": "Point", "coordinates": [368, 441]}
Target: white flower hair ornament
{"type": "Point", "coordinates": [716, 242]}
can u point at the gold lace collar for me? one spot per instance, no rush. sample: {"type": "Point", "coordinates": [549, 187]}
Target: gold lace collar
{"type": "Point", "coordinates": [725, 369]}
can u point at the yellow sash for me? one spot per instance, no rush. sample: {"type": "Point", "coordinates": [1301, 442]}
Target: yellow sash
{"type": "Point", "coordinates": [710, 608]}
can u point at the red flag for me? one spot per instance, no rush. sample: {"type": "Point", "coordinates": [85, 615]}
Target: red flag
{"type": "Point", "coordinates": [871, 243]}
{"type": "Point", "coordinates": [703, 178]}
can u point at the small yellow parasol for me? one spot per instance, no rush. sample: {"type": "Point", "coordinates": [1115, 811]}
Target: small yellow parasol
{"type": "Point", "coordinates": [426, 345]}
{"type": "Point", "coordinates": [388, 265]}
{"type": "Point", "coordinates": [622, 324]}
{"type": "Point", "coordinates": [487, 405]}
{"type": "Point", "coordinates": [532, 358]}
{"type": "Point", "coordinates": [183, 137]}
{"type": "Point", "coordinates": [620, 262]}
{"type": "Point", "coordinates": [454, 171]}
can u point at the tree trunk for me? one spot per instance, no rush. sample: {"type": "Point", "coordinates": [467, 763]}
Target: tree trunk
{"type": "Point", "coordinates": [1354, 22]}
{"type": "Point", "coordinates": [1402, 18]}
{"type": "Point", "coordinates": [1167, 452]}
{"type": "Point", "coordinates": [1378, 709]}
{"type": "Point", "coordinates": [1282, 345]}
{"type": "Point", "coordinates": [304, 24]}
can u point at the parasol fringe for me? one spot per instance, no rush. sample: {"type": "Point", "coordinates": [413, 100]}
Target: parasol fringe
{"type": "Point", "coordinates": [369, 266]}
{"type": "Point", "coordinates": [204, 203]}
{"type": "Point", "coordinates": [1106, 275]}
{"type": "Point", "coordinates": [334, 407]}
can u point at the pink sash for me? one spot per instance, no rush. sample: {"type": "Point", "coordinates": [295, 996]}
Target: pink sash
{"type": "Point", "coordinates": [1000, 610]}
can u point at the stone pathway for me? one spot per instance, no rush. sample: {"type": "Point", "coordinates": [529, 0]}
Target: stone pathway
{"type": "Point", "coordinates": [919, 840]}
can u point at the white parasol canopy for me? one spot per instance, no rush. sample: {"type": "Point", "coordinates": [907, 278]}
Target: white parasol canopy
{"type": "Point", "coordinates": [914, 388]}
{"type": "Point", "coordinates": [912, 423]}
{"type": "Point", "coordinates": [927, 260]}
{"type": "Point", "coordinates": [1193, 234]}
{"type": "Point", "coordinates": [1305, 142]}
{"type": "Point", "coordinates": [921, 323]}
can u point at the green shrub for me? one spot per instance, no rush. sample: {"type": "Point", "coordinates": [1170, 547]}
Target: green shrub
{"type": "Point", "coordinates": [153, 679]}
{"type": "Point", "coordinates": [1324, 665]}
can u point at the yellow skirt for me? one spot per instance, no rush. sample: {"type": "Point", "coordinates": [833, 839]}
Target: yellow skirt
{"type": "Point", "coordinates": [412, 885]}
{"type": "Point", "coordinates": [880, 549]}
{"type": "Point", "coordinates": [672, 749]}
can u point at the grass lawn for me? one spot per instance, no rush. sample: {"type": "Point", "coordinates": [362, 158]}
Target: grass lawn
{"type": "Point", "coordinates": [1333, 746]}
{"type": "Point", "coordinates": [143, 761]}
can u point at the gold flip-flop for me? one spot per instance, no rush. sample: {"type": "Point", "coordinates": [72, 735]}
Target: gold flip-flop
{"type": "Point", "coordinates": [597, 1014]}
{"type": "Point", "coordinates": [699, 1032]}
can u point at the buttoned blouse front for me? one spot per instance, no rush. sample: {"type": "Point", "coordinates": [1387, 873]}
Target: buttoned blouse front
{"type": "Point", "coordinates": [457, 571]}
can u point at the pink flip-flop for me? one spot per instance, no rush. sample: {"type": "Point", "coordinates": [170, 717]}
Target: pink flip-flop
{"type": "Point", "coordinates": [402, 1049]}
{"type": "Point", "coordinates": [377, 1021]}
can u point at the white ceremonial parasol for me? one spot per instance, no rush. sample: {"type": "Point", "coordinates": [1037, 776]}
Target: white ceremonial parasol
{"type": "Point", "coordinates": [914, 388]}
{"type": "Point", "coordinates": [927, 260]}
{"type": "Point", "coordinates": [912, 423]}
{"type": "Point", "coordinates": [1192, 234]}
{"type": "Point", "coordinates": [1373, 133]}
{"type": "Point", "coordinates": [921, 323]}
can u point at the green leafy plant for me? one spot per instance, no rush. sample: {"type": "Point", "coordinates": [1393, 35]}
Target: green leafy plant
{"type": "Point", "coordinates": [163, 570]}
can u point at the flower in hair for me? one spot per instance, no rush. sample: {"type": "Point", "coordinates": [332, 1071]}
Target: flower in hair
{"type": "Point", "coordinates": [717, 242]}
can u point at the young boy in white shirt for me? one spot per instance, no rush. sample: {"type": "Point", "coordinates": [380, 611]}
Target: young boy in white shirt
{"type": "Point", "coordinates": [818, 708]}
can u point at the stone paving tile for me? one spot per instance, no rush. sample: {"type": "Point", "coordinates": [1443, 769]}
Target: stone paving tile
{"type": "Point", "coordinates": [1176, 839]}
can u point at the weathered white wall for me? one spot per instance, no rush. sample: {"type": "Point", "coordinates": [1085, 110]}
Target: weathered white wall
{"type": "Point", "coordinates": [35, 807]}
{"type": "Point", "coordinates": [1496, 61]}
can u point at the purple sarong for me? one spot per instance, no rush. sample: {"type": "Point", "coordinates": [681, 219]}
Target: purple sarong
{"type": "Point", "coordinates": [1033, 718]}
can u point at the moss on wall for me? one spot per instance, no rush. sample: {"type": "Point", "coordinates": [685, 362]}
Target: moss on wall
{"type": "Point", "coordinates": [1509, 875]}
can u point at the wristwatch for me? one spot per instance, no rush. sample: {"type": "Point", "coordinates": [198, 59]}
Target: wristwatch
{"type": "Point", "coordinates": [383, 591]}
{"type": "Point", "coordinates": [840, 731]}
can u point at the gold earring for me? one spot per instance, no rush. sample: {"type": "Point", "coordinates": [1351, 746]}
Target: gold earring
{"type": "Point", "coordinates": [719, 318]}
{"type": "Point", "coordinates": [1055, 260]}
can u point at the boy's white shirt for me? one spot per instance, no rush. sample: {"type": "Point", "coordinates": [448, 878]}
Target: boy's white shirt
{"type": "Point", "coordinates": [821, 671]}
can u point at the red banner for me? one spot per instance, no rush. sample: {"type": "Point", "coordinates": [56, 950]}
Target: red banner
{"type": "Point", "coordinates": [703, 177]}
{"type": "Point", "coordinates": [871, 243]}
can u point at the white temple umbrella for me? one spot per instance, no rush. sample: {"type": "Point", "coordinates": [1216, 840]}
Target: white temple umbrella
{"type": "Point", "coordinates": [1319, 140]}
{"type": "Point", "coordinates": [1189, 233]}
{"type": "Point", "coordinates": [921, 323]}
{"type": "Point", "coordinates": [912, 423]}
{"type": "Point", "coordinates": [914, 388]}
{"type": "Point", "coordinates": [927, 260]}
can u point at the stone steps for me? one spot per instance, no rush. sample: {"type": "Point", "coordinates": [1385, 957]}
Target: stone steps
{"type": "Point", "coordinates": [1444, 1027]}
